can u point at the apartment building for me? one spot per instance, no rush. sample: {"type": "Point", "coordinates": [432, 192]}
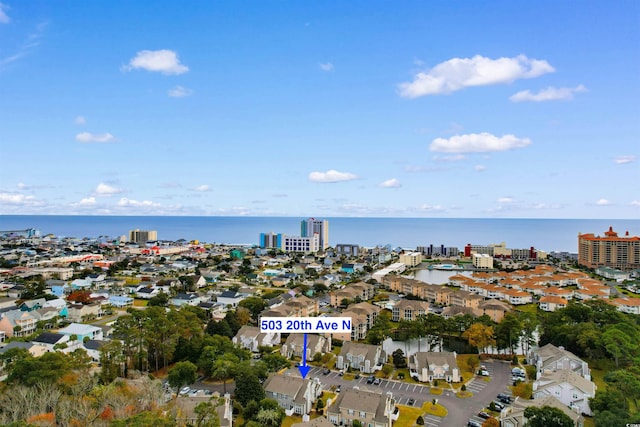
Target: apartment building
{"type": "Point", "coordinates": [610, 250]}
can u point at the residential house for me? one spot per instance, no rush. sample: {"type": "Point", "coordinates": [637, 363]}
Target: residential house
{"type": "Point", "coordinates": [82, 331]}
{"type": "Point", "coordinates": [230, 298]}
{"type": "Point", "coordinates": [568, 387]}
{"type": "Point", "coordinates": [92, 347]}
{"type": "Point", "coordinates": [427, 366]}
{"type": "Point", "coordinates": [465, 299]}
{"type": "Point", "coordinates": [315, 344]}
{"type": "Point", "coordinates": [495, 309]}
{"type": "Point", "coordinates": [17, 323]}
{"type": "Point", "coordinates": [552, 303]}
{"type": "Point", "coordinates": [147, 292]}
{"type": "Point", "coordinates": [516, 297]}
{"type": "Point", "coordinates": [513, 415]}
{"type": "Point", "coordinates": [82, 312]}
{"type": "Point", "coordinates": [366, 358]}
{"type": "Point", "coordinates": [120, 301]}
{"type": "Point", "coordinates": [360, 291]}
{"type": "Point", "coordinates": [251, 338]}
{"type": "Point", "coordinates": [372, 409]}
{"type": "Point", "coordinates": [185, 299]}
{"type": "Point", "coordinates": [56, 342]}
{"type": "Point", "coordinates": [409, 310]}
{"type": "Point", "coordinates": [293, 393]}
{"type": "Point", "coordinates": [627, 305]}
{"type": "Point", "coordinates": [551, 358]}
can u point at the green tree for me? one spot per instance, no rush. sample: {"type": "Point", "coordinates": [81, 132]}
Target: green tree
{"type": "Point", "coordinates": [182, 373]}
{"type": "Point", "coordinates": [546, 416]}
{"type": "Point", "coordinates": [399, 360]}
{"type": "Point", "coordinates": [113, 361]}
{"type": "Point", "coordinates": [160, 300]}
{"type": "Point", "coordinates": [276, 362]}
{"type": "Point", "coordinates": [381, 328]}
{"type": "Point", "coordinates": [206, 415]}
{"type": "Point", "coordinates": [248, 388]}
{"type": "Point", "coordinates": [508, 332]}
{"type": "Point", "coordinates": [618, 344]}
{"type": "Point", "coordinates": [255, 306]}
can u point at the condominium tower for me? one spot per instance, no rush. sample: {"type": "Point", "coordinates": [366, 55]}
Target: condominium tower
{"type": "Point", "coordinates": [311, 226]}
{"type": "Point", "coordinates": [609, 251]}
{"type": "Point", "coordinates": [142, 236]}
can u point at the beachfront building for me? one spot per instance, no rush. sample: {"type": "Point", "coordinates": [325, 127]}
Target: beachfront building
{"type": "Point", "coordinates": [312, 226]}
{"type": "Point", "coordinates": [142, 236]}
{"type": "Point", "coordinates": [270, 240]}
{"type": "Point", "coordinates": [609, 250]}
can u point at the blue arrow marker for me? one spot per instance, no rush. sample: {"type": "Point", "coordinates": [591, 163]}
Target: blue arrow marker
{"type": "Point", "coordinates": [304, 369]}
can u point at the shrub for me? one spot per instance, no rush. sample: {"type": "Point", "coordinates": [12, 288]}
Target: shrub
{"type": "Point", "coordinates": [420, 420]}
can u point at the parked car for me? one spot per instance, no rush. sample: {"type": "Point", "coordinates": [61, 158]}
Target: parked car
{"type": "Point", "coordinates": [184, 391]}
{"type": "Point", "coordinates": [484, 372]}
{"type": "Point", "coordinates": [484, 415]}
{"type": "Point", "coordinates": [498, 405]}
{"type": "Point", "coordinates": [326, 371]}
{"type": "Point", "coordinates": [473, 423]}
{"type": "Point", "coordinates": [338, 389]}
{"type": "Point", "coordinates": [376, 381]}
{"type": "Point", "coordinates": [371, 379]}
{"type": "Point", "coordinates": [410, 402]}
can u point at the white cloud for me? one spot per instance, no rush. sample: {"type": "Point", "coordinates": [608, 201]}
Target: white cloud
{"type": "Point", "coordinates": [179, 92]}
{"type": "Point", "coordinates": [203, 187]}
{"type": "Point", "coordinates": [94, 137]}
{"type": "Point", "coordinates": [4, 18]}
{"type": "Point", "coordinates": [479, 168]}
{"type": "Point", "coordinates": [87, 201]}
{"type": "Point", "coordinates": [623, 160]}
{"type": "Point", "coordinates": [328, 66]}
{"type": "Point", "coordinates": [23, 186]}
{"type": "Point", "coordinates": [635, 203]}
{"type": "Point", "coordinates": [124, 202]}
{"type": "Point", "coordinates": [80, 120]}
{"type": "Point", "coordinates": [331, 176]}
{"type": "Point", "coordinates": [16, 199]}
{"type": "Point", "coordinates": [163, 61]}
{"type": "Point", "coordinates": [391, 183]}
{"type": "Point", "coordinates": [547, 94]}
{"type": "Point", "coordinates": [107, 190]}
{"type": "Point", "coordinates": [478, 143]}
{"type": "Point", "coordinates": [505, 200]}
{"type": "Point", "coordinates": [603, 202]}
{"type": "Point", "coordinates": [28, 45]}
{"type": "Point", "coordinates": [459, 73]}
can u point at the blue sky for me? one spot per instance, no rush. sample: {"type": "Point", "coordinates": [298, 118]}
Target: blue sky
{"type": "Point", "coordinates": [290, 108]}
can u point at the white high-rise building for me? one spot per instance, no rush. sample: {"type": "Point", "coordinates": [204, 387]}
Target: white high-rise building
{"type": "Point", "coordinates": [311, 226]}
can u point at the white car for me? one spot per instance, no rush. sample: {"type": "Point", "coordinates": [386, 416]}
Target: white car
{"type": "Point", "coordinates": [184, 391]}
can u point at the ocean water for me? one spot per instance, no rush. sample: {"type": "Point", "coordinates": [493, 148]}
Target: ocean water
{"type": "Point", "coordinates": [545, 234]}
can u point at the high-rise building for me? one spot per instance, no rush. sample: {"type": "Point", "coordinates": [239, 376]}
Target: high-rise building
{"type": "Point", "coordinates": [609, 251]}
{"type": "Point", "coordinates": [142, 236]}
{"type": "Point", "coordinates": [311, 226]}
{"type": "Point", "coordinates": [271, 240]}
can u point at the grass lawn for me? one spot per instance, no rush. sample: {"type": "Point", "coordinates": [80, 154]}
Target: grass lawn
{"type": "Point", "coordinates": [436, 390]}
{"type": "Point", "coordinates": [408, 416]}
{"type": "Point", "coordinates": [528, 308]}
{"type": "Point", "coordinates": [140, 302]}
{"type": "Point", "coordinates": [407, 377]}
